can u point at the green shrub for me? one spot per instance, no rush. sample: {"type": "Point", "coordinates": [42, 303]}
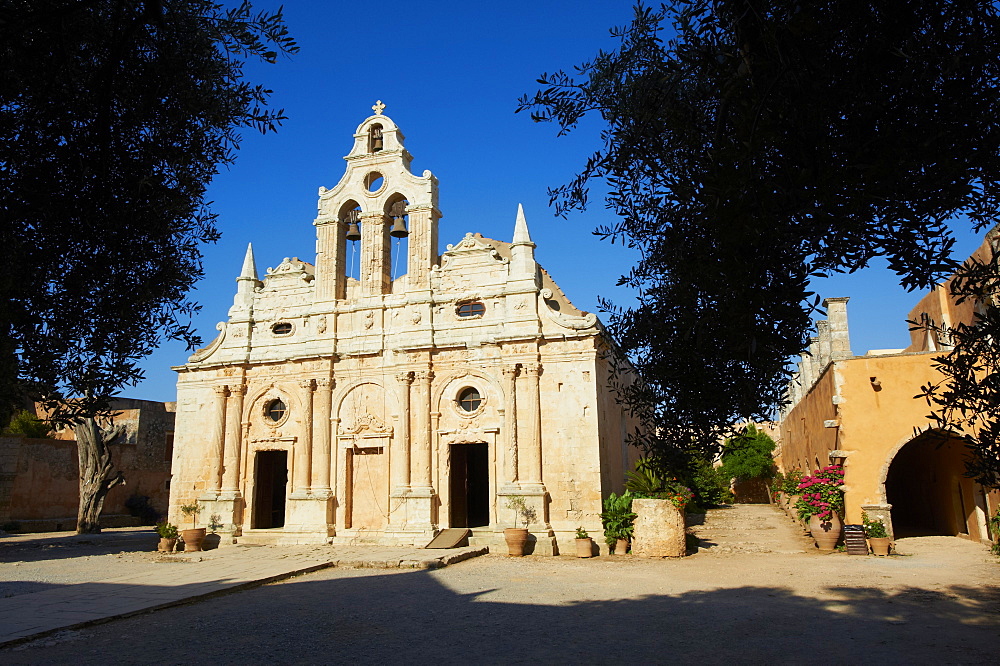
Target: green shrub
{"type": "Point", "coordinates": [25, 424]}
{"type": "Point", "coordinates": [748, 455]}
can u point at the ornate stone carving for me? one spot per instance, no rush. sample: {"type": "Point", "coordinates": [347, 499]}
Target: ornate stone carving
{"type": "Point", "coordinates": [576, 323]}
{"type": "Point", "coordinates": [210, 348]}
{"type": "Point", "coordinates": [367, 423]}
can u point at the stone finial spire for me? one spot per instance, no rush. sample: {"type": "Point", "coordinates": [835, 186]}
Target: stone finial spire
{"type": "Point", "coordinates": [245, 285]}
{"type": "Point", "coordinates": [522, 250]}
{"type": "Point", "coordinates": [521, 236]}
{"type": "Point", "coordinates": [249, 271]}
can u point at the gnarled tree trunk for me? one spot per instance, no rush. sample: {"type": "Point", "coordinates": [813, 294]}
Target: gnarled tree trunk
{"type": "Point", "coordinates": [97, 472]}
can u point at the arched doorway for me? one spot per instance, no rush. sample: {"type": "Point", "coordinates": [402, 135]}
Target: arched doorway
{"type": "Point", "coordinates": [928, 490]}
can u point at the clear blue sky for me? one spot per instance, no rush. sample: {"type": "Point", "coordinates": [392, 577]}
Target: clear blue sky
{"type": "Point", "coordinates": [450, 74]}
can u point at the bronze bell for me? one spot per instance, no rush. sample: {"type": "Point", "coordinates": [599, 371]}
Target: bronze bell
{"type": "Point", "coordinates": [353, 233]}
{"type": "Point", "coordinates": [398, 228]}
{"type": "Point", "coordinates": [377, 143]}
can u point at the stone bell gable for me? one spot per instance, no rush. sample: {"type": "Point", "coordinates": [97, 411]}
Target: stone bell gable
{"type": "Point", "coordinates": [386, 391]}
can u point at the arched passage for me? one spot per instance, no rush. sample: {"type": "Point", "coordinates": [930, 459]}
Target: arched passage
{"type": "Point", "coordinates": [928, 491]}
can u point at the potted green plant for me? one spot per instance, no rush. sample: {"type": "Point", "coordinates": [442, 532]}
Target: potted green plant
{"type": "Point", "coordinates": [516, 537]}
{"type": "Point", "coordinates": [618, 521]}
{"type": "Point", "coordinates": [584, 544]}
{"type": "Point", "coordinates": [168, 536]}
{"type": "Point", "coordinates": [193, 537]}
{"type": "Point", "coordinates": [878, 536]}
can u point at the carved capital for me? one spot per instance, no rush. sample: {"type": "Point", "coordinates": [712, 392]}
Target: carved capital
{"type": "Point", "coordinates": [324, 384]}
{"type": "Point", "coordinates": [424, 376]}
{"type": "Point", "coordinates": [532, 369]}
{"type": "Point", "coordinates": [307, 384]}
{"type": "Point", "coordinates": [237, 389]}
{"type": "Point", "coordinates": [405, 378]}
{"type": "Point", "coordinates": [511, 371]}
{"type": "Point", "coordinates": [221, 390]}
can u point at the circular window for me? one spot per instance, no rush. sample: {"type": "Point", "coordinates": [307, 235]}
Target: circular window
{"type": "Point", "coordinates": [469, 399]}
{"type": "Point", "coordinates": [282, 328]}
{"type": "Point", "coordinates": [275, 410]}
{"type": "Point", "coordinates": [374, 181]}
{"type": "Point", "coordinates": [471, 309]}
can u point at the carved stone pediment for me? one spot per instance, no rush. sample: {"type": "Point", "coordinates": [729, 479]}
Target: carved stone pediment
{"type": "Point", "coordinates": [290, 271]}
{"type": "Point", "coordinates": [367, 424]}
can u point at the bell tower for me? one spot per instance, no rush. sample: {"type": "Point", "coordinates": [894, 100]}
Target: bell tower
{"type": "Point", "coordinates": [377, 199]}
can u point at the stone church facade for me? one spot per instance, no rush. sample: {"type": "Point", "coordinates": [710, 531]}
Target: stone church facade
{"type": "Point", "coordinates": [349, 408]}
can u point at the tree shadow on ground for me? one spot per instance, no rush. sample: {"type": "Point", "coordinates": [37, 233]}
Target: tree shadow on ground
{"type": "Point", "coordinates": [418, 618]}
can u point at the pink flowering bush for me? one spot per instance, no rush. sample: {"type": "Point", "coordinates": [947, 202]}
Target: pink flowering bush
{"type": "Point", "coordinates": [822, 493]}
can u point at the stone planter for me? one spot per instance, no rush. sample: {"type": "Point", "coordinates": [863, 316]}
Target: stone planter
{"type": "Point", "coordinates": [193, 538]}
{"type": "Point", "coordinates": [659, 529]}
{"type": "Point", "coordinates": [515, 537]}
{"type": "Point", "coordinates": [826, 532]}
{"type": "Point", "coordinates": [621, 547]}
{"type": "Point", "coordinates": [880, 546]}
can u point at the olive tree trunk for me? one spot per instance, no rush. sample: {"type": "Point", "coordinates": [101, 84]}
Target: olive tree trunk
{"type": "Point", "coordinates": [97, 472]}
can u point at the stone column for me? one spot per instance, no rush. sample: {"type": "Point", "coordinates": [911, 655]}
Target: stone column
{"type": "Point", "coordinates": [330, 259]}
{"type": "Point", "coordinates": [218, 439]}
{"type": "Point", "coordinates": [825, 344]}
{"type": "Point", "coordinates": [421, 434]}
{"type": "Point", "coordinates": [530, 449]}
{"type": "Point", "coordinates": [303, 447]}
{"type": "Point", "coordinates": [322, 424]}
{"type": "Point", "coordinates": [234, 415]}
{"type": "Point", "coordinates": [510, 373]}
{"type": "Point", "coordinates": [423, 245]}
{"type": "Point", "coordinates": [375, 255]}
{"type": "Point", "coordinates": [339, 463]}
{"type": "Point", "coordinates": [401, 458]}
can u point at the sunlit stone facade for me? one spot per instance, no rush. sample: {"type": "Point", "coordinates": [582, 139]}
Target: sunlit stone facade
{"type": "Point", "coordinates": [331, 408]}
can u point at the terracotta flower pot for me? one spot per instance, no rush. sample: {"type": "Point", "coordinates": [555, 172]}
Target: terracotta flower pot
{"type": "Point", "coordinates": [166, 545]}
{"type": "Point", "coordinates": [193, 539]}
{"type": "Point", "coordinates": [793, 512]}
{"type": "Point", "coordinates": [880, 545]}
{"type": "Point", "coordinates": [826, 532]}
{"type": "Point", "coordinates": [621, 547]}
{"type": "Point", "coordinates": [584, 547]}
{"type": "Point", "coordinates": [515, 537]}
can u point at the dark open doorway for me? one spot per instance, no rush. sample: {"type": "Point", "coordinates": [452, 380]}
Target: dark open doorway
{"type": "Point", "coordinates": [470, 485]}
{"type": "Point", "coordinates": [924, 487]}
{"type": "Point", "coordinates": [271, 476]}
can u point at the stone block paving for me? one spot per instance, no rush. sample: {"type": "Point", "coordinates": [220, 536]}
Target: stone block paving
{"type": "Point", "coordinates": [189, 576]}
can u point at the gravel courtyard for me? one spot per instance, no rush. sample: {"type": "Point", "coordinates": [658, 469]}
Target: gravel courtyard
{"type": "Point", "coordinates": [754, 593]}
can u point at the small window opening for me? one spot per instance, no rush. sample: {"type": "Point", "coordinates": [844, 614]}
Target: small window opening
{"type": "Point", "coordinates": [275, 410]}
{"type": "Point", "coordinates": [375, 143]}
{"type": "Point", "coordinates": [470, 399]}
{"type": "Point", "coordinates": [281, 328]}
{"type": "Point", "coordinates": [471, 309]}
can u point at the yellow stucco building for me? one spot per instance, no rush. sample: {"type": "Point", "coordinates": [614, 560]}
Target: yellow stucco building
{"type": "Point", "coordinates": [862, 410]}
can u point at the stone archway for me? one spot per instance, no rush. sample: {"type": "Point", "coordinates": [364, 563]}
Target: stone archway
{"type": "Point", "coordinates": [927, 489]}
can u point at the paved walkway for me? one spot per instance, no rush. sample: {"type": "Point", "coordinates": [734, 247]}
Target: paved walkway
{"type": "Point", "coordinates": [750, 528]}
{"type": "Point", "coordinates": [185, 577]}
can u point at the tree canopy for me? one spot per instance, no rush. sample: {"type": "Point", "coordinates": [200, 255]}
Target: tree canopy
{"type": "Point", "coordinates": [114, 117]}
{"type": "Point", "coordinates": [750, 145]}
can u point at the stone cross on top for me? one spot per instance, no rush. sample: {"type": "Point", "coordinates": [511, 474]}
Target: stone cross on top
{"type": "Point", "coordinates": [378, 107]}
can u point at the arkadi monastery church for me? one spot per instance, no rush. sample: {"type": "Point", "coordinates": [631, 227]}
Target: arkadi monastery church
{"type": "Point", "coordinates": [345, 408]}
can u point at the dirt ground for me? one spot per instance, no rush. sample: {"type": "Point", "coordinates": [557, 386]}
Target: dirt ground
{"type": "Point", "coordinates": [754, 593]}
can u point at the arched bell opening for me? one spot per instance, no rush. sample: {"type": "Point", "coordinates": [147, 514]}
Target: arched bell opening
{"type": "Point", "coordinates": [929, 492]}
{"type": "Point", "coordinates": [350, 221]}
{"type": "Point", "coordinates": [375, 141]}
{"type": "Point", "coordinates": [398, 228]}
